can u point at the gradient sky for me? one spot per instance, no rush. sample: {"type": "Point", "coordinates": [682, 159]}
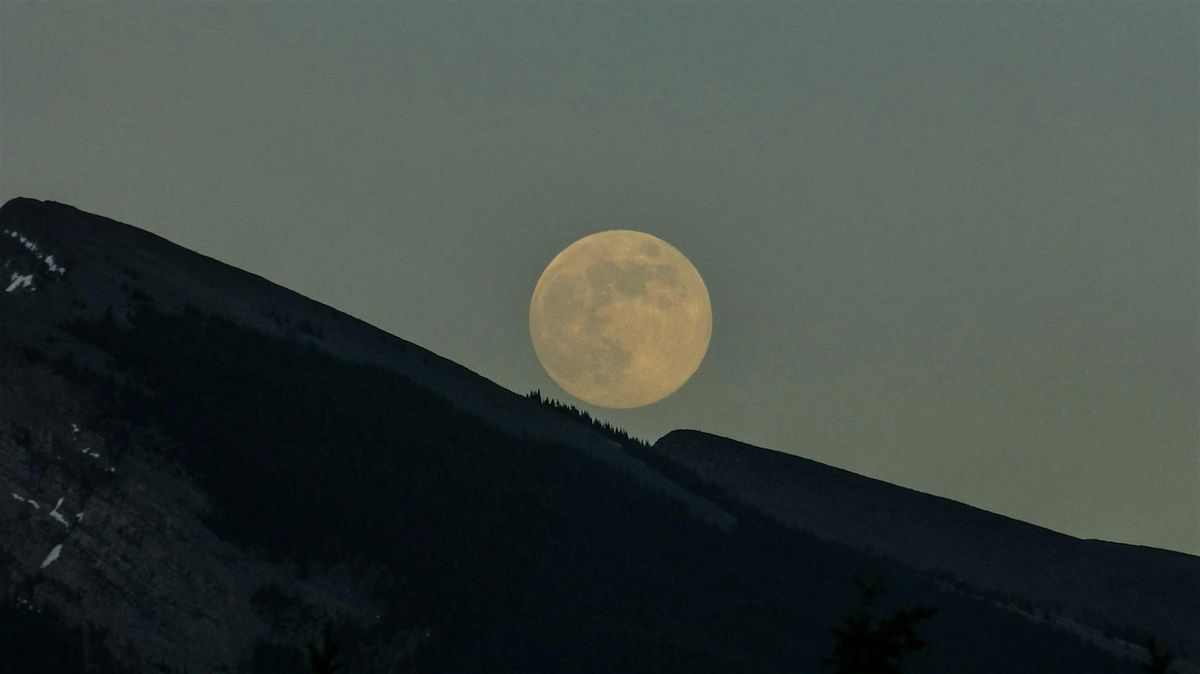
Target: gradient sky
{"type": "Point", "coordinates": [955, 246]}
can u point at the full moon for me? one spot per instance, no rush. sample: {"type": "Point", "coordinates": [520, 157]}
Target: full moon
{"type": "Point", "coordinates": [620, 319]}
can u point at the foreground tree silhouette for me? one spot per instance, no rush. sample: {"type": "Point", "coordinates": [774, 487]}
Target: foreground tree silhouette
{"type": "Point", "coordinates": [876, 645]}
{"type": "Point", "coordinates": [323, 656]}
{"type": "Point", "coordinates": [1160, 658]}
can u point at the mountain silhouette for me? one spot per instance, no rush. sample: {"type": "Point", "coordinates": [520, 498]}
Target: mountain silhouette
{"type": "Point", "coordinates": [202, 471]}
{"type": "Point", "coordinates": [1094, 582]}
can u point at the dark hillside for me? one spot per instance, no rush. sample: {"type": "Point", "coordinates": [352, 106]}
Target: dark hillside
{"type": "Point", "coordinates": [1122, 590]}
{"type": "Point", "coordinates": [205, 469]}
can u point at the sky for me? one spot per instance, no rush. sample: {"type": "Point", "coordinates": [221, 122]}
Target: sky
{"type": "Point", "coordinates": [954, 246]}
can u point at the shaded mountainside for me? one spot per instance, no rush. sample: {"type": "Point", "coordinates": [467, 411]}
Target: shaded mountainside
{"type": "Point", "coordinates": [1116, 587]}
{"type": "Point", "coordinates": [199, 469]}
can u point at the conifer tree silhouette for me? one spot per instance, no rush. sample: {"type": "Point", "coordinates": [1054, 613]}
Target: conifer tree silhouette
{"type": "Point", "coordinates": [1160, 658]}
{"type": "Point", "coordinates": [867, 644]}
{"type": "Point", "coordinates": [323, 656]}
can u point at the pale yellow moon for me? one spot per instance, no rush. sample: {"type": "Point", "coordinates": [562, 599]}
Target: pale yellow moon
{"type": "Point", "coordinates": [620, 319]}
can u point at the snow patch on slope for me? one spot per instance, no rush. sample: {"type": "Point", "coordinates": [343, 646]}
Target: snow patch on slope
{"type": "Point", "coordinates": [30, 501]}
{"type": "Point", "coordinates": [25, 281]}
{"type": "Point", "coordinates": [53, 556]}
{"type": "Point", "coordinates": [57, 516]}
{"type": "Point", "coordinates": [19, 281]}
{"type": "Point", "coordinates": [34, 248]}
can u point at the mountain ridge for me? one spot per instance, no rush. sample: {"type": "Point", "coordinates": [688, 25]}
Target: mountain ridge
{"type": "Point", "coordinates": [204, 466]}
{"type": "Point", "coordinates": [949, 536]}
{"type": "Point", "coordinates": [674, 435]}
